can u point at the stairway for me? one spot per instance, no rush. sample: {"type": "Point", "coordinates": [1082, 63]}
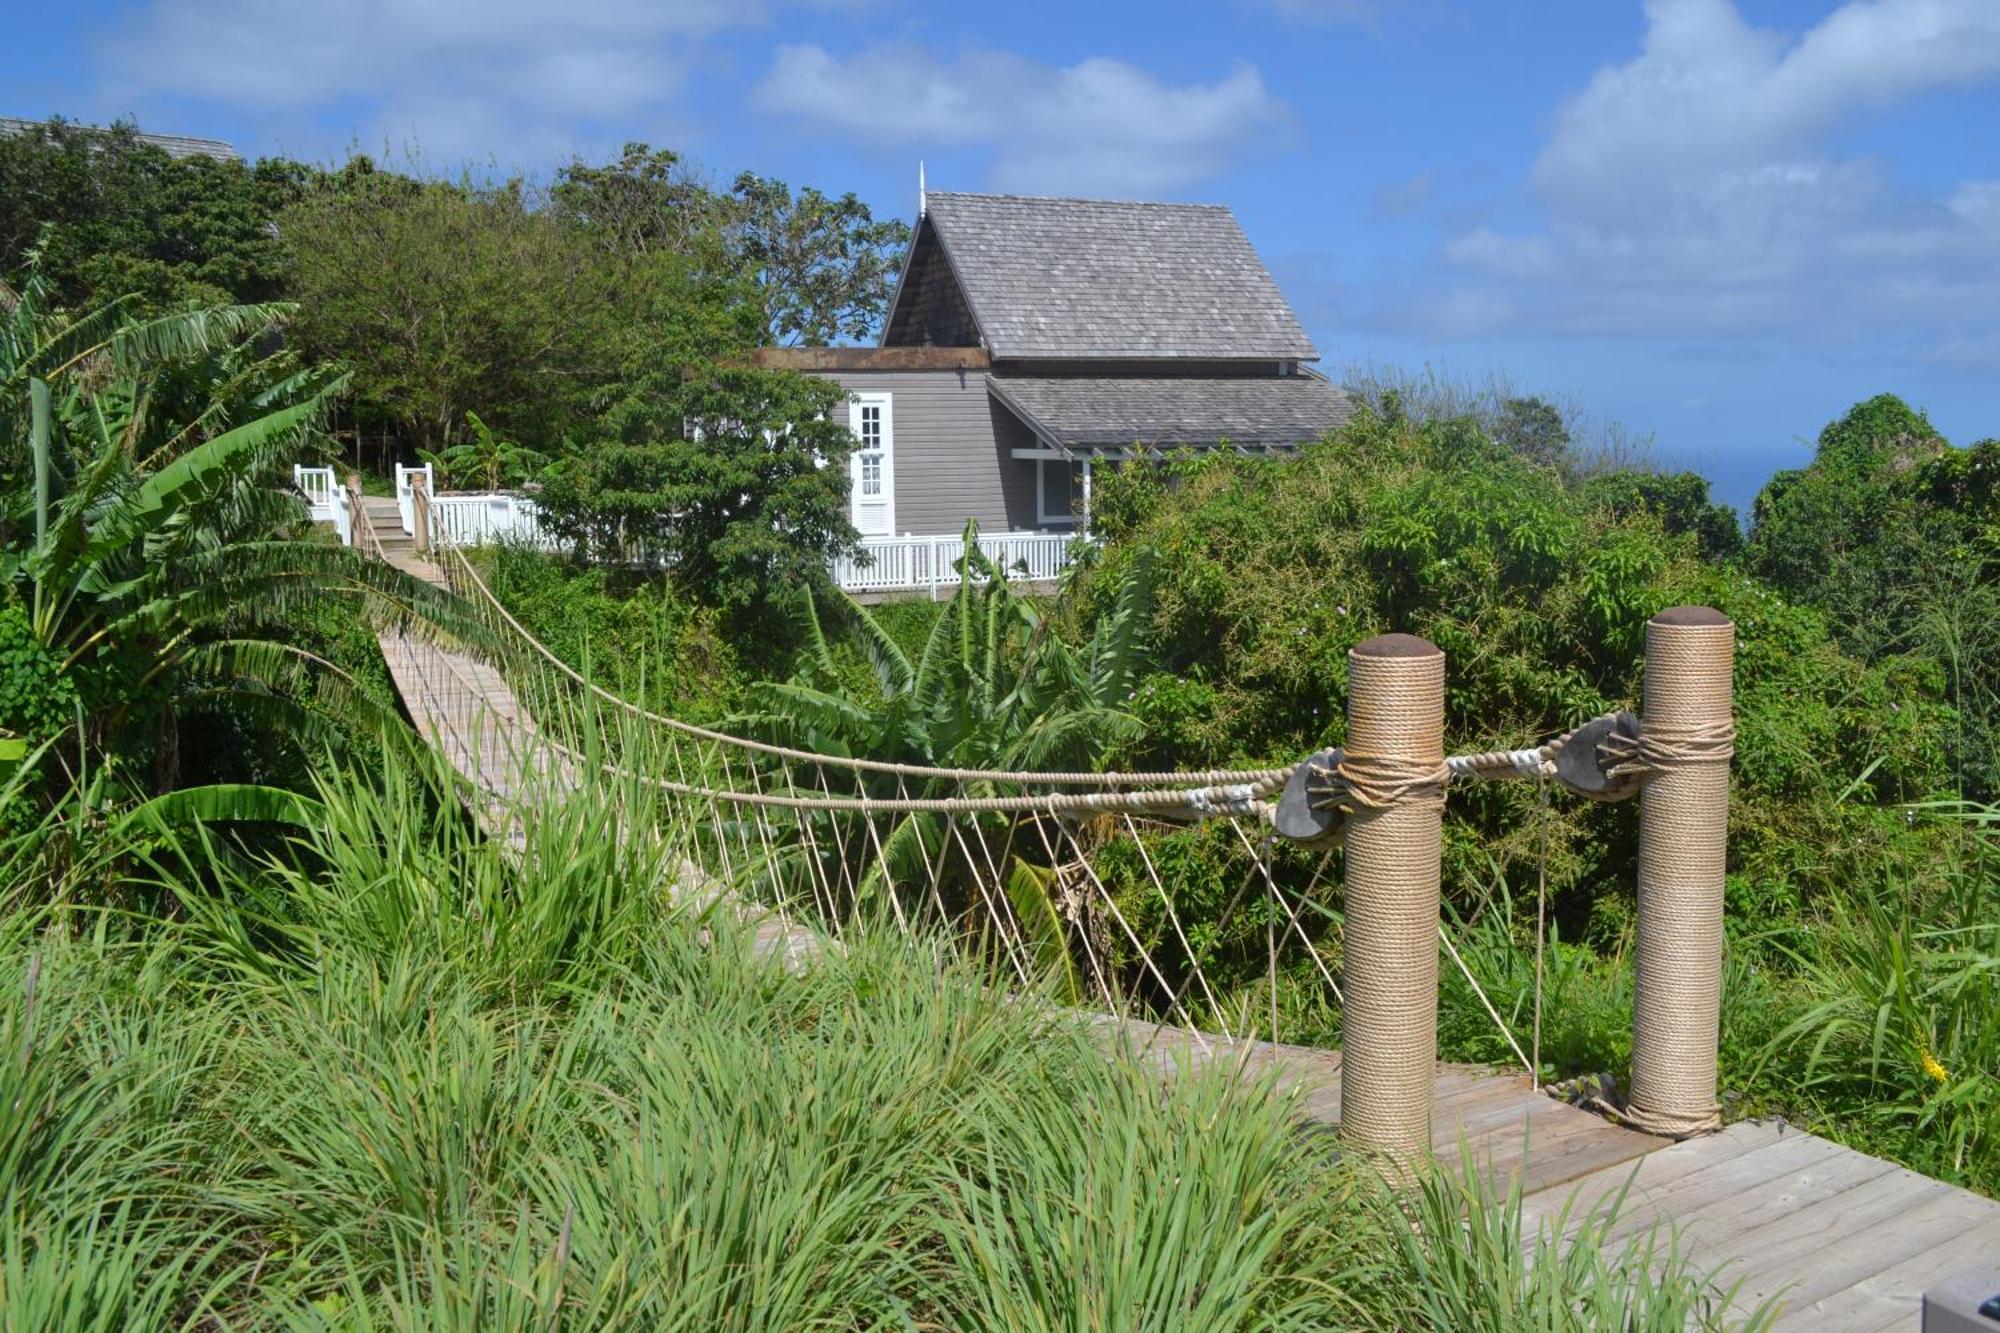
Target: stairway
{"type": "Point", "coordinates": [397, 544]}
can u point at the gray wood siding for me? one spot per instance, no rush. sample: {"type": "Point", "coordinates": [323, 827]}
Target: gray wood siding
{"type": "Point", "coordinates": [954, 452]}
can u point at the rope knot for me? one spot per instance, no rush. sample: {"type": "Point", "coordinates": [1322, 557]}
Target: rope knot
{"type": "Point", "coordinates": [1661, 746]}
{"type": "Point", "coordinates": [1380, 781]}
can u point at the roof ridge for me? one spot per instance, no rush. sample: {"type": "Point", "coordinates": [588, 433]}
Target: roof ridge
{"type": "Point", "coordinates": [1072, 199]}
{"type": "Point", "coordinates": [202, 144]}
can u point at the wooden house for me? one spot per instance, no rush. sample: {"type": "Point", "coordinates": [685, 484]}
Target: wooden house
{"type": "Point", "coordinates": [1030, 338]}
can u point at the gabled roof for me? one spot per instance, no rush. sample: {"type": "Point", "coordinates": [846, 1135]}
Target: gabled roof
{"type": "Point", "coordinates": [174, 145]}
{"type": "Point", "coordinates": [1090, 278]}
{"type": "Point", "coordinates": [1099, 412]}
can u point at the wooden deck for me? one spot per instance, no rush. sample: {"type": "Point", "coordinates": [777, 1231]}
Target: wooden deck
{"type": "Point", "coordinates": [1843, 1240]}
{"type": "Point", "coordinates": [1848, 1242]}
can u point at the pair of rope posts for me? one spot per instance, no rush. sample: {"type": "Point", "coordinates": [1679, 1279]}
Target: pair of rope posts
{"type": "Point", "coordinates": [1385, 794]}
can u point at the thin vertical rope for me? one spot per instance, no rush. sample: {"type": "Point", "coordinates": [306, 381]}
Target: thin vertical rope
{"type": "Point", "coordinates": [1541, 923]}
{"type": "Point", "coordinates": [1258, 860]}
{"type": "Point", "coordinates": [1174, 918]}
{"type": "Point", "coordinates": [1144, 957]}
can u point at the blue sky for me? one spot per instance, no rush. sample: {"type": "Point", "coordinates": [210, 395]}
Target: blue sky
{"type": "Point", "coordinates": [1718, 223]}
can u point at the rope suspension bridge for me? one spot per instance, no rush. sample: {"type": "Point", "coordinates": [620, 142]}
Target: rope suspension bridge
{"type": "Point", "coordinates": [1052, 871]}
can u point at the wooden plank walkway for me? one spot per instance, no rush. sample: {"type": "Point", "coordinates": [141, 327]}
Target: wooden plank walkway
{"type": "Point", "coordinates": [1843, 1240]}
{"type": "Point", "coordinates": [1846, 1241]}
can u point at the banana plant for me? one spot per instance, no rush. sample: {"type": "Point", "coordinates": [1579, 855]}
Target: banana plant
{"type": "Point", "coordinates": [487, 458]}
{"type": "Point", "coordinates": [993, 688]}
{"type": "Point", "coordinates": [147, 524]}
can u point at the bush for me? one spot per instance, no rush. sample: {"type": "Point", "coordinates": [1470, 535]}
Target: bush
{"type": "Point", "coordinates": [1538, 592]}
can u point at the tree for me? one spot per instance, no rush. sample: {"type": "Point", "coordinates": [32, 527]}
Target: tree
{"type": "Point", "coordinates": [131, 221]}
{"type": "Point", "coordinates": [648, 200]}
{"type": "Point", "coordinates": [732, 477]}
{"type": "Point", "coordinates": [825, 267]}
{"type": "Point", "coordinates": [449, 297]}
{"type": "Point", "coordinates": [1895, 536]}
{"type": "Point", "coordinates": [1679, 500]}
{"type": "Point", "coordinates": [1841, 532]}
{"type": "Point", "coordinates": [1534, 429]}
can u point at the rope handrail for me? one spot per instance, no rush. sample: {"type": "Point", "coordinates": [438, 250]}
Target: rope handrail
{"type": "Point", "coordinates": [1202, 791]}
{"type": "Point", "coordinates": [1486, 765]}
{"type": "Point", "coordinates": [1187, 777]}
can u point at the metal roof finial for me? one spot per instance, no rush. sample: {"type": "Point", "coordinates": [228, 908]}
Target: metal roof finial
{"type": "Point", "coordinates": [922, 203]}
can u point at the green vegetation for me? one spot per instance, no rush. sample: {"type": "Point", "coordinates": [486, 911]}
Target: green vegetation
{"type": "Point", "coordinates": [597, 323]}
{"type": "Point", "coordinates": [388, 1073]}
{"type": "Point", "coordinates": [1895, 536]}
{"type": "Point", "coordinates": [145, 579]}
{"type": "Point", "coordinates": [1859, 992]}
{"type": "Point", "coordinates": [1858, 900]}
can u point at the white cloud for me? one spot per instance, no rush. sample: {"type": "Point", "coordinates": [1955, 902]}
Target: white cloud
{"type": "Point", "coordinates": [464, 76]}
{"type": "Point", "coordinates": [1709, 92]}
{"type": "Point", "coordinates": [1698, 188]}
{"type": "Point", "coordinates": [1098, 127]}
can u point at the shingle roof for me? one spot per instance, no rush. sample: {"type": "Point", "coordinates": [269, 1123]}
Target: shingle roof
{"type": "Point", "coordinates": [1079, 412]}
{"type": "Point", "coordinates": [1056, 278]}
{"type": "Point", "coordinates": [175, 145]}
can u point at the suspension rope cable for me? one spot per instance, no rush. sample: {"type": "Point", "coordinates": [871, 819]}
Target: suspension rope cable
{"type": "Point", "coordinates": [1206, 777]}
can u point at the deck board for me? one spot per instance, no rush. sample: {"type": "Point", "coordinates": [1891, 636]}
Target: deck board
{"type": "Point", "coordinates": [1848, 1241]}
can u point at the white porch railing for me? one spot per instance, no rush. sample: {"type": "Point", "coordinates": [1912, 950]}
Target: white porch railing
{"type": "Point", "coordinates": [900, 563]}
{"type": "Point", "coordinates": [891, 564]}
{"type": "Point", "coordinates": [316, 484]}
{"type": "Point", "coordinates": [474, 520]}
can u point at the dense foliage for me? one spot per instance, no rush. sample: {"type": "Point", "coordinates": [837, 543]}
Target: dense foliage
{"type": "Point", "coordinates": [147, 574]}
{"type": "Point", "coordinates": [1895, 535]}
{"type": "Point", "coordinates": [127, 219]}
{"type": "Point", "coordinates": [1538, 592]}
{"type": "Point", "coordinates": [732, 478]}
{"type": "Point", "coordinates": [579, 318]}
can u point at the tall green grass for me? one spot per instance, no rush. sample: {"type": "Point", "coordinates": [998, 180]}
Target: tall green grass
{"type": "Point", "coordinates": [392, 1075]}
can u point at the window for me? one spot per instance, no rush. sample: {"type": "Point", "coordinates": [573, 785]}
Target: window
{"type": "Point", "coordinates": [1063, 491]}
{"type": "Point", "coordinates": [869, 452]}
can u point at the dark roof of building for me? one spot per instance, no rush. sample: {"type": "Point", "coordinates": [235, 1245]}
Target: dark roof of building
{"type": "Point", "coordinates": [1111, 411]}
{"type": "Point", "coordinates": [1091, 278]}
{"type": "Point", "coordinates": [175, 145]}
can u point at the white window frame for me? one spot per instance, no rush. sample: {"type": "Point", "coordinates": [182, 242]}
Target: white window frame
{"type": "Point", "coordinates": [887, 500]}
{"type": "Point", "coordinates": [1066, 519]}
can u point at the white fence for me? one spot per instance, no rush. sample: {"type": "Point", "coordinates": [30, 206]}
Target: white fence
{"type": "Point", "coordinates": [474, 520]}
{"type": "Point", "coordinates": [316, 484]}
{"type": "Point", "coordinates": [898, 563]}
{"type": "Point", "coordinates": [888, 564]}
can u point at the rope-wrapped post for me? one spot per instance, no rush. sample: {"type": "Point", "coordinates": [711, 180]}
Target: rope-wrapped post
{"type": "Point", "coordinates": [420, 511]}
{"type": "Point", "coordinates": [1685, 741]}
{"type": "Point", "coordinates": [1394, 769]}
